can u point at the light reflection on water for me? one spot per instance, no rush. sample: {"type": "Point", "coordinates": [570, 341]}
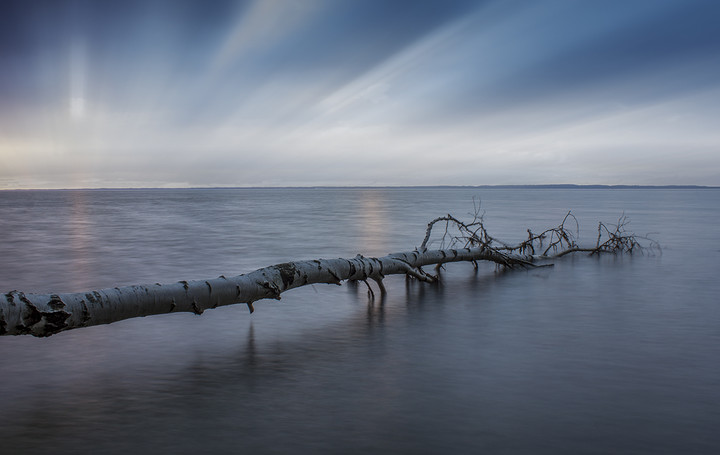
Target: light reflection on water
{"type": "Point", "coordinates": [591, 356]}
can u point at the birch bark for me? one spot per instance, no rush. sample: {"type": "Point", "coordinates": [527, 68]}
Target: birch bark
{"type": "Point", "coordinates": [46, 314]}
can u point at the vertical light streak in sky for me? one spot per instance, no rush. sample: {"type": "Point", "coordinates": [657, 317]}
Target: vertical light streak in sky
{"type": "Point", "coordinates": [78, 69]}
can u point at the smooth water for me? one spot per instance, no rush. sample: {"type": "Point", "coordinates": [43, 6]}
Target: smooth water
{"type": "Point", "coordinates": [610, 355]}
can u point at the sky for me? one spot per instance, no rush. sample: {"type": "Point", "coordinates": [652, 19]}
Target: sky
{"type": "Point", "coordinates": [184, 93]}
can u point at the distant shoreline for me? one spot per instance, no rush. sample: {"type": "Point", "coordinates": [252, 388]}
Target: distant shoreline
{"type": "Point", "coordinates": [561, 186]}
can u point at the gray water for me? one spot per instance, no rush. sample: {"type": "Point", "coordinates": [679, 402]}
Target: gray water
{"type": "Point", "coordinates": [610, 355]}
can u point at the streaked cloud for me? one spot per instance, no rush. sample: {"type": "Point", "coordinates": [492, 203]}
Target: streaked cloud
{"type": "Point", "coordinates": [317, 92]}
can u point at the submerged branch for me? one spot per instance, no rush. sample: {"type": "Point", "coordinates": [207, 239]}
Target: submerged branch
{"type": "Point", "coordinates": [47, 314]}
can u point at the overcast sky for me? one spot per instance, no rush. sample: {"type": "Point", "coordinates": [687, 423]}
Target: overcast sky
{"type": "Point", "coordinates": [327, 92]}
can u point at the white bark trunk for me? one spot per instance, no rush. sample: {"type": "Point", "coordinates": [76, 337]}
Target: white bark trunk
{"type": "Point", "coordinates": [47, 314]}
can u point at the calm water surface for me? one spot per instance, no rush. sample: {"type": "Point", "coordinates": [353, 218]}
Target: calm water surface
{"type": "Point", "coordinates": [610, 355]}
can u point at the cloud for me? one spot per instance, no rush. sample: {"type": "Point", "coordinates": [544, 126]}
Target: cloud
{"type": "Point", "coordinates": [260, 93]}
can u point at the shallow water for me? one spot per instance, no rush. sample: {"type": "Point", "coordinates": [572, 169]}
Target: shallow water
{"type": "Point", "coordinates": [617, 354]}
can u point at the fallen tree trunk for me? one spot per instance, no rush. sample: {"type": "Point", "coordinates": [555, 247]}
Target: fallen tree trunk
{"type": "Point", "coordinates": [46, 314]}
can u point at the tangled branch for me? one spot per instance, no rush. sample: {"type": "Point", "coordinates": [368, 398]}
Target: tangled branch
{"type": "Point", "coordinates": [549, 244]}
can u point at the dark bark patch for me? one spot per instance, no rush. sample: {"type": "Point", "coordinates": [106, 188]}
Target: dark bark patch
{"type": "Point", "coordinates": [54, 320]}
{"type": "Point", "coordinates": [25, 300]}
{"type": "Point", "coordinates": [287, 273]}
{"type": "Point", "coordinates": [196, 309]}
{"type": "Point", "coordinates": [273, 290]}
{"type": "Point", "coordinates": [94, 297]}
{"type": "Point", "coordinates": [85, 314]}
{"type": "Point", "coordinates": [31, 316]}
{"type": "Point", "coordinates": [56, 302]}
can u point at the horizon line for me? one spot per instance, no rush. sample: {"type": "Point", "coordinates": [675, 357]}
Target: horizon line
{"type": "Point", "coordinates": [498, 186]}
